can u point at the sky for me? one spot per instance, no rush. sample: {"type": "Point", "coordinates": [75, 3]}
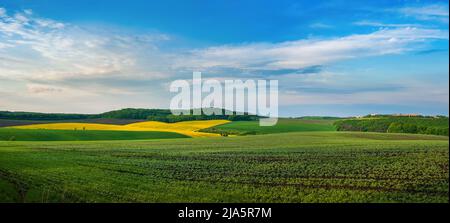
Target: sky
{"type": "Point", "coordinates": [335, 57]}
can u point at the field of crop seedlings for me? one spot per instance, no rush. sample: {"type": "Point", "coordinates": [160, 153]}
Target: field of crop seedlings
{"type": "Point", "coordinates": [285, 167]}
{"type": "Point", "coordinates": [283, 125]}
{"type": "Point", "coordinates": [15, 122]}
{"type": "Point", "coordinates": [11, 134]}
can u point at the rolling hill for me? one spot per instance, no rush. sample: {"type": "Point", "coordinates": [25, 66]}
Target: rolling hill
{"type": "Point", "coordinates": [189, 128]}
{"type": "Point", "coordinates": [283, 125]}
{"type": "Point", "coordinates": [73, 135]}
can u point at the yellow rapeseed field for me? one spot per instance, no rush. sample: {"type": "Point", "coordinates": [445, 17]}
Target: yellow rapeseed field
{"type": "Point", "coordinates": [189, 128]}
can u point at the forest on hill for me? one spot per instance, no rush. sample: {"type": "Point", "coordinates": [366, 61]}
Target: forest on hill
{"type": "Point", "coordinates": [396, 124]}
{"type": "Point", "coordinates": [162, 115]}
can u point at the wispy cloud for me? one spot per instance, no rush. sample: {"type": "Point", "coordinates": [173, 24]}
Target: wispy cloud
{"type": "Point", "coordinates": [435, 12]}
{"type": "Point", "coordinates": [387, 25]}
{"type": "Point", "coordinates": [49, 49]}
{"type": "Point", "coordinates": [319, 25]}
{"type": "Point", "coordinates": [311, 52]}
{"type": "Point", "coordinates": [2, 12]}
{"type": "Point", "coordinates": [39, 89]}
{"type": "Point", "coordinates": [407, 95]}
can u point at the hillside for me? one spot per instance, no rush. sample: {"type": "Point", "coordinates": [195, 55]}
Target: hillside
{"type": "Point", "coordinates": [188, 128]}
{"type": "Point", "coordinates": [162, 115]}
{"type": "Point", "coordinates": [283, 125]}
{"type": "Point", "coordinates": [114, 121]}
{"type": "Point", "coordinates": [74, 135]}
{"type": "Point", "coordinates": [396, 124]}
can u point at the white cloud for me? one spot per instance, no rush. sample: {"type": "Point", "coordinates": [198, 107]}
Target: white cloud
{"type": "Point", "coordinates": [53, 50]}
{"type": "Point", "coordinates": [50, 66]}
{"type": "Point", "coordinates": [2, 12]}
{"type": "Point", "coordinates": [42, 89]}
{"type": "Point", "coordinates": [379, 24]}
{"type": "Point", "coordinates": [310, 52]}
{"type": "Point", "coordinates": [423, 93]}
{"type": "Point", "coordinates": [436, 12]}
{"type": "Point", "coordinates": [319, 25]}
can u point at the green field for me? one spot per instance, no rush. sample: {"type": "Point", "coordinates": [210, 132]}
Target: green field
{"type": "Point", "coordinates": [10, 134]}
{"type": "Point", "coordinates": [283, 125]}
{"type": "Point", "coordinates": [285, 167]}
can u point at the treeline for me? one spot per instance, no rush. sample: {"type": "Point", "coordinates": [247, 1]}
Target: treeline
{"type": "Point", "coordinates": [188, 115]}
{"type": "Point", "coordinates": [397, 127]}
{"type": "Point", "coordinates": [136, 113]}
{"type": "Point", "coordinates": [180, 118]}
{"type": "Point", "coordinates": [394, 124]}
{"type": "Point", "coordinates": [162, 115]}
{"type": "Point", "coordinates": [35, 116]}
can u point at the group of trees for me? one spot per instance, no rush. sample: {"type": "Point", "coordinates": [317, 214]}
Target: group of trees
{"type": "Point", "coordinates": [136, 113]}
{"type": "Point", "coordinates": [179, 118]}
{"type": "Point", "coordinates": [165, 115]}
{"type": "Point", "coordinates": [394, 124]}
{"type": "Point", "coordinates": [397, 127]}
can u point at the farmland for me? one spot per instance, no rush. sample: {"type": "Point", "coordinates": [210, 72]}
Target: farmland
{"type": "Point", "coordinates": [297, 160]}
{"type": "Point", "coordinates": [15, 122]}
{"type": "Point", "coordinates": [205, 128]}
{"type": "Point", "coordinates": [188, 128]}
{"type": "Point", "coordinates": [11, 134]}
{"type": "Point", "coordinates": [285, 167]}
{"type": "Point", "coordinates": [283, 125]}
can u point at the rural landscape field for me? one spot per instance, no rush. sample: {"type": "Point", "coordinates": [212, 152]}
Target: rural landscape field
{"type": "Point", "coordinates": [297, 160]}
{"type": "Point", "coordinates": [236, 105]}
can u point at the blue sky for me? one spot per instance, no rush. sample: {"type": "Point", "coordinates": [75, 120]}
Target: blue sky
{"type": "Point", "coordinates": [330, 57]}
